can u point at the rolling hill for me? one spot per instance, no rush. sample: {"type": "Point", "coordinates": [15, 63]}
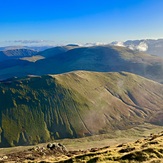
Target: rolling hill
{"type": "Point", "coordinates": [51, 52]}
{"type": "Point", "coordinates": [96, 58]}
{"type": "Point", "coordinates": [37, 109]}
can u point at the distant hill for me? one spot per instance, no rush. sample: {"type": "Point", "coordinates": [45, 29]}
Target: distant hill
{"type": "Point", "coordinates": [35, 48]}
{"type": "Point", "coordinates": [97, 58]}
{"type": "Point", "coordinates": [41, 108]}
{"type": "Point", "coordinates": [16, 54]}
{"type": "Point", "coordinates": [103, 59]}
{"type": "Point", "coordinates": [51, 52]}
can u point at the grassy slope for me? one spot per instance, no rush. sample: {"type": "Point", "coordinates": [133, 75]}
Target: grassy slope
{"type": "Point", "coordinates": [143, 150]}
{"type": "Point", "coordinates": [38, 109]}
{"type": "Point", "coordinates": [33, 58]}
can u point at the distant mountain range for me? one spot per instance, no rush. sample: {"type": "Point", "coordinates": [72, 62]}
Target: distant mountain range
{"type": "Point", "coordinates": [37, 109]}
{"type": "Point", "coordinates": [97, 58]}
{"type": "Point", "coordinates": [35, 48]}
{"type": "Point", "coordinates": [73, 91]}
{"type": "Point", "coordinates": [153, 47]}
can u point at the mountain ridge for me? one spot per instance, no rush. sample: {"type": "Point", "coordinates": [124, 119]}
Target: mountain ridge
{"type": "Point", "coordinates": [16, 54]}
{"type": "Point", "coordinates": [97, 58]}
{"type": "Point", "coordinates": [75, 104]}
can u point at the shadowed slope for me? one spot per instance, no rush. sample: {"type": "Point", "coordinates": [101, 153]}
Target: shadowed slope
{"type": "Point", "coordinates": [96, 58]}
{"type": "Point", "coordinates": [16, 53]}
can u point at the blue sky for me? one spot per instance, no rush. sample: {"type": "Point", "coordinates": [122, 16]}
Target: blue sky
{"type": "Point", "coordinates": [79, 21]}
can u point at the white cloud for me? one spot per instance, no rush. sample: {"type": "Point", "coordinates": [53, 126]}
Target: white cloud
{"type": "Point", "coordinates": [142, 46]}
{"type": "Point", "coordinates": [118, 43]}
{"type": "Point", "coordinates": [132, 47]}
{"type": "Point", "coordinates": [94, 44]}
{"type": "Point", "coordinates": [27, 43]}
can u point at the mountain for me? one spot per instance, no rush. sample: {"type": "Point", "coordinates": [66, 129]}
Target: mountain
{"type": "Point", "coordinates": [41, 108]}
{"type": "Point", "coordinates": [151, 46]}
{"type": "Point", "coordinates": [35, 48]}
{"type": "Point", "coordinates": [16, 53]}
{"type": "Point", "coordinates": [97, 58]}
{"type": "Point", "coordinates": [103, 59]}
{"type": "Point", "coordinates": [48, 53]}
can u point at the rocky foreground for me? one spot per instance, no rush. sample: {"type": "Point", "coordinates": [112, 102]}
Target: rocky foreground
{"type": "Point", "coordinates": [148, 149]}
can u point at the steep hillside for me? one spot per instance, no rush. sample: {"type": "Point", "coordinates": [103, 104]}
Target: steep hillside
{"type": "Point", "coordinates": [16, 53]}
{"type": "Point", "coordinates": [37, 109]}
{"type": "Point", "coordinates": [35, 48]}
{"type": "Point", "coordinates": [97, 58]}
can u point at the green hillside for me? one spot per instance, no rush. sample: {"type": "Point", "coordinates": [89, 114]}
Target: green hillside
{"type": "Point", "coordinates": [38, 109]}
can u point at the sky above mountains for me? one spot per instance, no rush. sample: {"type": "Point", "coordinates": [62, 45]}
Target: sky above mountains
{"type": "Point", "coordinates": [52, 22]}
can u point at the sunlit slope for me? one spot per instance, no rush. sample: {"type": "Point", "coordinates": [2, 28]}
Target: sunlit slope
{"type": "Point", "coordinates": [37, 109]}
{"type": "Point", "coordinates": [147, 150]}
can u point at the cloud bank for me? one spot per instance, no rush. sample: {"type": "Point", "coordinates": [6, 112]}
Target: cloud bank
{"type": "Point", "coordinates": [27, 43]}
